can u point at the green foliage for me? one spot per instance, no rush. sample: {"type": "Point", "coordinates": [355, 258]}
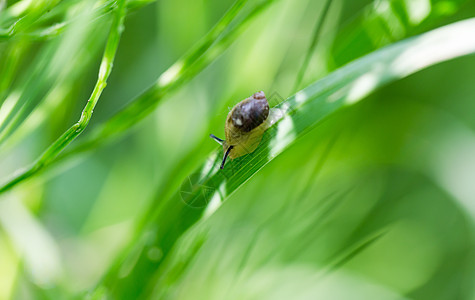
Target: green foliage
{"type": "Point", "coordinates": [361, 189]}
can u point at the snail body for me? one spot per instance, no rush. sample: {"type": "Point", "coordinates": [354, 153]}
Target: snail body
{"type": "Point", "coordinates": [245, 125]}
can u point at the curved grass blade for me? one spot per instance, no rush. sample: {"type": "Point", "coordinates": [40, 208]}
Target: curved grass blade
{"type": "Point", "coordinates": [38, 14]}
{"type": "Point", "coordinates": [67, 137]}
{"type": "Point", "coordinates": [316, 33]}
{"type": "Point", "coordinates": [203, 192]}
{"type": "Point", "coordinates": [43, 77]}
{"type": "Point", "coordinates": [385, 22]}
{"type": "Point", "coordinates": [34, 11]}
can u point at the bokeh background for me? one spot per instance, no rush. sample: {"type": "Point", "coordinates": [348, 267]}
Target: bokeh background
{"type": "Point", "coordinates": [377, 202]}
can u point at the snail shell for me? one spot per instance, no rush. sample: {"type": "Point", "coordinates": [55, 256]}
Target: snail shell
{"type": "Point", "coordinates": [245, 125]}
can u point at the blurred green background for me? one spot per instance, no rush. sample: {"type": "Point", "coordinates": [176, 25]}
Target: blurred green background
{"type": "Point", "coordinates": [376, 202]}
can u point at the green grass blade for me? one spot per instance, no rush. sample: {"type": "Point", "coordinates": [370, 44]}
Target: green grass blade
{"type": "Point", "coordinates": [35, 10]}
{"type": "Point", "coordinates": [67, 137]}
{"type": "Point", "coordinates": [31, 28]}
{"type": "Point", "coordinates": [316, 33]}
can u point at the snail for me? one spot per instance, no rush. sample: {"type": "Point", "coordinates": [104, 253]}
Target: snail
{"type": "Point", "coordinates": [245, 125]}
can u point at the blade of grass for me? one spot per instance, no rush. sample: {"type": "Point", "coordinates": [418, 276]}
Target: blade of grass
{"type": "Point", "coordinates": [300, 113]}
{"type": "Point", "coordinates": [374, 28]}
{"type": "Point", "coordinates": [8, 68]}
{"type": "Point", "coordinates": [48, 70]}
{"type": "Point", "coordinates": [311, 49]}
{"type": "Point", "coordinates": [353, 250]}
{"type": "Point", "coordinates": [35, 10]}
{"type": "Point", "coordinates": [51, 31]}
{"type": "Point", "coordinates": [67, 137]}
{"type": "Point", "coordinates": [37, 85]}
{"type": "Point", "coordinates": [54, 30]}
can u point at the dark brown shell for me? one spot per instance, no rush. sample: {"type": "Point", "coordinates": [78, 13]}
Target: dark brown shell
{"type": "Point", "coordinates": [251, 112]}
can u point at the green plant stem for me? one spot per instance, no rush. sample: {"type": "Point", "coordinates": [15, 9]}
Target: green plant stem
{"type": "Point", "coordinates": [35, 10]}
{"type": "Point", "coordinates": [58, 28]}
{"type": "Point", "coordinates": [313, 44]}
{"type": "Point", "coordinates": [67, 137]}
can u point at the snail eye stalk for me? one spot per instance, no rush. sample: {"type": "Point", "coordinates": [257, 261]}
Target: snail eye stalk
{"type": "Point", "coordinates": [217, 139]}
{"type": "Point", "coordinates": [226, 156]}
